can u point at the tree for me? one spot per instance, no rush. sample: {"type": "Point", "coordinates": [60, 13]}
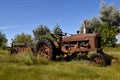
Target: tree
{"type": "Point", "coordinates": [41, 31]}
{"type": "Point", "coordinates": [3, 40]}
{"type": "Point", "coordinates": [57, 30]}
{"type": "Point", "coordinates": [92, 25]}
{"type": "Point", "coordinates": [110, 22]}
{"type": "Point", "coordinates": [23, 38]}
{"type": "Point", "coordinates": [108, 34]}
{"type": "Point", "coordinates": [110, 14]}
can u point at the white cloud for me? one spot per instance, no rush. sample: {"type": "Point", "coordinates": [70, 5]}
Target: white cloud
{"type": "Point", "coordinates": [8, 27]}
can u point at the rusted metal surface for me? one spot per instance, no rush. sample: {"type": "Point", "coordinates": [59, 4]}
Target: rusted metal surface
{"type": "Point", "coordinates": [80, 43]}
{"type": "Point", "coordinates": [19, 47]}
{"type": "Point", "coordinates": [78, 37]}
{"type": "Point", "coordinates": [15, 47]}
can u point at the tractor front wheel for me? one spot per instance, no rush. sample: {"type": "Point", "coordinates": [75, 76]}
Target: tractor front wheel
{"type": "Point", "coordinates": [99, 59]}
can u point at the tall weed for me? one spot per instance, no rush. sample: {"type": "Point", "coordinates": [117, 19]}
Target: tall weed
{"type": "Point", "coordinates": [24, 58]}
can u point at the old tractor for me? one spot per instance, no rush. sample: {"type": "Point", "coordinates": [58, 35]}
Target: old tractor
{"type": "Point", "coordinates": [20, 47]}
{"type": "Point", "coordinates": [17, 47]}
{"type": "Point", "coordinates": [73, 46]}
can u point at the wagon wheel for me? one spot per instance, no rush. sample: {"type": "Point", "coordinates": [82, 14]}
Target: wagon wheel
{"type": "Point", "coordinates": [45, 49]}
{"type": "Point", "coordinates": [98, 59]}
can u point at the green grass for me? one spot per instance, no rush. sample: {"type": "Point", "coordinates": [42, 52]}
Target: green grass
{"type": "Point", "coordinates": [12, 68]}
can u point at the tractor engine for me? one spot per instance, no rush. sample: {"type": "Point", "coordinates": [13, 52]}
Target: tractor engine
{"type": "Point", "coordinates": [80, 43]}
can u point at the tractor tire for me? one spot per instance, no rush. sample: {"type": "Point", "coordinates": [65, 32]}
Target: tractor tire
{"type": "Point", "coordinates": [45, 48]}
{"type": "Point", "coordinates": [108, 58]}
{"type": "Point", "coordinates": [99, 59]}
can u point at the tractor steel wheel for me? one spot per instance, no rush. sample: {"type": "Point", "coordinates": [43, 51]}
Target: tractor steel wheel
{"type": "Point", "coordinates": [45, 49]}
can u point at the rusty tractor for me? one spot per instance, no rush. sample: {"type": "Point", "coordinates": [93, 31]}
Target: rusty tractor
{"type": "Point", "coordinates": [20, 47]}
{"type": "Point", "coordinates": [17, 47]}
{"type": "Point", "coordinates": [75, 46]}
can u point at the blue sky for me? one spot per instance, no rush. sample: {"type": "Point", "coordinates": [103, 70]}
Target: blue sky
{"type": "Point", "coordinates": [17, 16]}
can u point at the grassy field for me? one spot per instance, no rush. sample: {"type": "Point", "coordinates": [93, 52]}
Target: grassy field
{"type": "Point", "coordinates": [26, 67]}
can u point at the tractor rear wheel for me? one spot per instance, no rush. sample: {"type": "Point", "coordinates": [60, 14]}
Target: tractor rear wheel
{"type": "Point", "coordinates": [45, 48]}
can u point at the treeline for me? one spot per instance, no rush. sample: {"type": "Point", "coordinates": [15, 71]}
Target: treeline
{"type": "Point", "coordinates": [107, 24]}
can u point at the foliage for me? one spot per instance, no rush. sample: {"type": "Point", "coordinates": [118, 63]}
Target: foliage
{"type": "Point", "coordinates": [92, 25]}
{"type": "Point", "coordinates": [28, 59]}
{"type": "Point", "coordinates": [25, 58]}
{"type": "Point", "coordinates": [40, 31]}
{"type": "Point", "coordinates": [110, 17]}
{"type": "Point", "coordinates": [22, 38]}
{"type": "Point", "coordinates": [110, 14]}
{"type": "Point", "coordinates": [3, 40]}
{"type": "Point", "coordinates": [108, 34]}
{"type": "Point", "coordinates": [49, 36]}
{"type": "Point", "coordinates": [57, 30]}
